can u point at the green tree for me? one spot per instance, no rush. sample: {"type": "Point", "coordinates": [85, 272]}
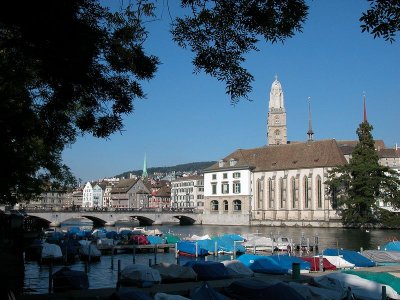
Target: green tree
{"type": "Point", "coordinates": [360, 184]}
{"type": "Point", "coordinates": [66, 68]}
{"type": "Point", "coordinates": [69, 68]}
{"type": "Point", "coordinates": [382, 19]}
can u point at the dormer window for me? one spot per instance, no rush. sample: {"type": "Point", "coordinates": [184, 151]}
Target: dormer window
{"type": "Point", "coordinates": [232, 162]}
{"type": "Point", "coordinates": [221, 163]}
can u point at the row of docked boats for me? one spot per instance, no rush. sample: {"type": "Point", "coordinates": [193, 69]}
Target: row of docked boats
{"type": "Point", "coordinates": [245, 278]}
{"type": "Point", "coordinates": [236, 244]}
{"type": "Point", "coordinates": [86, 244]}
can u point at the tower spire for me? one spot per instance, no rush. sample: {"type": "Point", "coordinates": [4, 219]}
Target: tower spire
{"type": "Point", "coordinates": [310, 132]}
{"type": "Point", "coordinates": [365, 108]}
{"type": "Point", "coordinates": [144, 174]}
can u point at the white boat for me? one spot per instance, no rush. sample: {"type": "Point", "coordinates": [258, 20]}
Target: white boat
{"type": "Point", "coordinates": [339, 262]}
{"type": "Point", "coordinates": [267, 244]}
{"type": "Point", "coordinates": [140, 275]}
{"type": "Point", "coordinates": [361, 288]}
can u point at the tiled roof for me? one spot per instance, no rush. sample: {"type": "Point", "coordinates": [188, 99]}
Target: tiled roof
{"type": "Point", "coordinates": [388, 153]}
{"type": "Point", "coordinates": [379, 144]}
{"type": "Point", "coordinates": [314, 154]}
{"type": "Point", "coordinates": [188, 178]}
{"type": "Point", "coordinates": [165, 191]}
{"type": "Point", "coordinates": [124, 186]}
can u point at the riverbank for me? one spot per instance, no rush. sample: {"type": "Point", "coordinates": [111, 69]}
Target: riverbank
{"type": "Point", "coordinates": [184, 288]}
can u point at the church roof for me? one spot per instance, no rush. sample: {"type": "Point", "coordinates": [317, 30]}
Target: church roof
{"type": "Point", "coordinates": [325, 153]}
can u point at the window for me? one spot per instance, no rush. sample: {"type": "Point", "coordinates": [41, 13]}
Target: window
{"type": "Point", "coordinates": [224, 175]}
{"type": "Point", "coordinates": [271, 192]}
{"type": "Point", "coordinates": [214, 176]}
{"type": "Point", "coordinates": [214, 205]}
{"type": "Point", "coordinates": [226, 207]}
{"type": "Point", "coordinates": [294, 193]}
{"type": "Point", "coordinates": [282, 187]}
{"type": "Point", "coordinates": [225, 188]}
{"type": "Point", "coordinates": [236, 175]}
{"type": "Point", "coordinates": [277, 134]}
{"type": "Point", "coordinates": [306, 200]}
{"type": "Point", "coordinates": [237, 205]}
{"type": "Point", "coordinates": [319, 192]}
{"type": "Point", "coordinates": [214, 188]}
{"type": "Point", "coordinates": [260, 193]}
{"type": "Point", "coordinates": [236, 187]}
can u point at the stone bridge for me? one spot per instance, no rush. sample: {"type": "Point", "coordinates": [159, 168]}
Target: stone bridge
{"type": "Point", "coordinates": [110, 218]}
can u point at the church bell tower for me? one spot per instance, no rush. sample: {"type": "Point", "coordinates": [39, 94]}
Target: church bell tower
{"type": "Point", "coordinates": [276, 123]}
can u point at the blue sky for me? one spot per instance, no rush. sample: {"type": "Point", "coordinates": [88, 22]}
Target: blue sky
{"type": "Point", "coordinates": [188, 118]}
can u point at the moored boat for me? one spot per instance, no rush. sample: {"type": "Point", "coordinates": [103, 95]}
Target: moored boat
{"type": "Point", "coordinates": [361, 288]}
{"type": "Point", "coordinates": [175, 273]}
{"type": "Point", "coordinates": [191, 248]}
{"type": "Point", "coordinates": [89, 252]}
{"type": "Point", "coordinates": [139, 275]}
{"type": "Point", "coordinates": [351, 256]}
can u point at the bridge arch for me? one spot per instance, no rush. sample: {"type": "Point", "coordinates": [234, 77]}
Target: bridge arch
{"type": "Point", "coordinates": [185, 220]}
{"type": "Point", "coordinates": [97, 222]}
{"type": "Point", "coordinates": [144, 221]}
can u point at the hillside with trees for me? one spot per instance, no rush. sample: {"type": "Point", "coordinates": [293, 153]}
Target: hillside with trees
{"type": "Point", "coordinates": [189, 167]}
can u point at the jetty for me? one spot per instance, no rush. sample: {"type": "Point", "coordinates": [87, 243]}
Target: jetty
{"type": "Point", "coordinates": [115, 249]}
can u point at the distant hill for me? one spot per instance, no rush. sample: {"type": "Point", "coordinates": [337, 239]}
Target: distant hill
{"type": "Point", "coordinates": [190, 167]}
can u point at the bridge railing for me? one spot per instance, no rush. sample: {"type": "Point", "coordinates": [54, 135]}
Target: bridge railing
{"type": "Point", "coordinates": [114, 210]}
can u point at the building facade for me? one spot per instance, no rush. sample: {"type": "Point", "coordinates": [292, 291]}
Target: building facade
{"type": "Point", "coordinates": [129, 194]}
{"type": "Point", "coordinates": [188, 192]}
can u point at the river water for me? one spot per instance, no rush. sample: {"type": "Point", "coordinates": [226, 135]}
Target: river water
{"type": "Point", "coordinates": [103, 274]}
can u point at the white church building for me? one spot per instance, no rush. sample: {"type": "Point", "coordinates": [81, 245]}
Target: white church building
{"type": "Point", "coordinates": [281, 184]}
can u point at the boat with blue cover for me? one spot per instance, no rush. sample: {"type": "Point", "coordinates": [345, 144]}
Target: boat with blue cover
{"type": "Point", "coordinates": [273, 264]}
{"type": "Point", "coordinates": [191, 248]}
{"type": "Point", "coordinates": [208, 270]}
{"type": "Point", "coordinates": [351, 256]}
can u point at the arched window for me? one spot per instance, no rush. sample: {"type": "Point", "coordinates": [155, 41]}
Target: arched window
{"type": "Point", "coordinates": [260, 193]}
{"type": "Point", "coordinates": [237, 205]}
{"type": "Point", "coordinates": [305, 185]}
{"type": "Point", "coordinates": [226, 206]}
{"type": "Point", "coordinates": [294, 189]}
{"type": "Point", "coordinates": [282, 189]}
{"type": "Point", "coordinates": [214, 205]}
{"type": "Point", "coordinates": [271, 192]}
{"type": "Point", "coordinates": [319, 192]}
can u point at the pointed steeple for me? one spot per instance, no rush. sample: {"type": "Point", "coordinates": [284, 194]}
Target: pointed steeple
{"type": "Point", "coordinates": [144, 174]}
{"type": "Point", "coordinates": [310, 132]}
{"type": "Point", "coordinates": [365, 108]}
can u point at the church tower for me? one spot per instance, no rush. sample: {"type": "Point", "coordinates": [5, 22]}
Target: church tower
{"type": "Point", "coordinates": [276, 124]}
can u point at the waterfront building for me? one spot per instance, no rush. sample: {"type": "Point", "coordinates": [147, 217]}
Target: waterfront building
{"type": "Point", "coordinates": [188, 192]}
{"type": "Point", "coordinates": [49, 200]}
{"type": "Point", "coordinates": [282, 183]}
{"type": "Point", "coordinates": [98, 191]}
{"type": "Point", "coordinates": [87, 195]}
{"type": "Point", "coordinates": [130, 193]}
{"type": "Point", "coordinates": [160, 198]}
{"type": "Point", "coordinates": [107, 194]}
